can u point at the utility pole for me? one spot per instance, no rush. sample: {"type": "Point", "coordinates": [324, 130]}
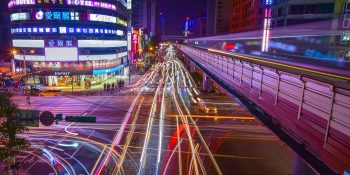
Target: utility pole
{"type": "Point", "coordinates": [129, 7]}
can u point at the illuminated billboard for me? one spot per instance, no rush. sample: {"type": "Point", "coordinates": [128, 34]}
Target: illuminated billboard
{"type": "Point", "coordinates": [102, 18]}
{"type": "Point", "coordinates": [68, 34]}
{"type": "Point", "coordinates": [122, 22]}
{"type": "Point", "coordinates": [20, 2]}
{"type": "Point", "coordinates": [62, 30]}
{"type": "Point", "coordinates": [19, 16]}
{"type": "Point", "coordinates": [61, 54]}
{"type": "Point", "coordinates": [88, 3]}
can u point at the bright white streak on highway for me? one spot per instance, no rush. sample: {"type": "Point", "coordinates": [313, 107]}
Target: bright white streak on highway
{"type": "Point", "coordinates": [162, 118]}
{"type": "Point", "coordinates": [151, 117]}
{"type": "Point", "coordinates": [71, 133]}
{"type": "Point", "coordinates": [195, 125]}
{"type": "Point", "coordinates": [187, 128]}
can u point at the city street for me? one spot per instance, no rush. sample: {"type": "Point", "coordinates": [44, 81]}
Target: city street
{"type": "Point", "coordinates": [155, 128]}
{"type": "Point", "coordinates": [160, 87]}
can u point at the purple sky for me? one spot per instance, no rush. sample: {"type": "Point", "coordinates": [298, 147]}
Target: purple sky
{"type": "Point", "coordinates": [176, 11]}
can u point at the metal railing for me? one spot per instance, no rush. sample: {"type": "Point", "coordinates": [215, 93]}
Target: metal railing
{"type": "Point", "coordinates": [315, 113]}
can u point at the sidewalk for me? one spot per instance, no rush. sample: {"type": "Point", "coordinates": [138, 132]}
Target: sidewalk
{"type": "Point", "coordinates": [95, 90]}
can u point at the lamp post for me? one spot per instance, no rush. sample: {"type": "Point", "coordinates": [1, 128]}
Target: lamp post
{"type": "Point", "coordinates": [24, 53]}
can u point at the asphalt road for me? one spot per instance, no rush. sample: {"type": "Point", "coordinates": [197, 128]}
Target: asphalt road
{"type": "Point", "coordinates": [155, 128]}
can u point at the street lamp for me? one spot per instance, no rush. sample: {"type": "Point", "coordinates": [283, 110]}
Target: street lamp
{"type": "Point", "coordinates": [24, 52]}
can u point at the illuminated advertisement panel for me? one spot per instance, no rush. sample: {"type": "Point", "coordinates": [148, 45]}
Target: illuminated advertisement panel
{"type": "Point", "coordinates": [101, 43]}
{"type": "Point", "coordinates": [19, 16]}
{"type": "Point", "coordinates": [135, 41]}
{"type": "Point", "coordinates": [47, 15]}
{"type": "Point", "coordinates": [20, 2]}
{"type": "Point", "coordinates": [56, 15]}
{"type": "Point", "coordinates": [122, 22]}
{"type": "Point", "coordinates": [60, 43]}
{"type": "Point", "coordinates": [129, 3]}
{"type": "Point", "coordinates": [120, 32]}
{"type": "Point", "coordinates": [61, 54]}
{"type": "Point", "coordinates": [102, 18]}
{"type": "Point", "coordinates": [129, 40]}
{"type": "Point", "coordinates": [62, 30]}
{"type": "Point", "coordinates": [89, 3]}
{"type": "Point", "coordinates": [28, 43]}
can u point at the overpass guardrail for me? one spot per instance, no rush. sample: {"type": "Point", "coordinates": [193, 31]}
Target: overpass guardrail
{"type": "Point", "coordinates": [315, 113]}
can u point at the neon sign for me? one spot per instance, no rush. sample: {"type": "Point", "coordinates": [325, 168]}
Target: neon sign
{"type": "Point", "coordinates": [63, 30]}
{"type": "Point", "coordinates": [53, 15]}
{"type": "Point", "coordinates": [128, 6]}
{"type": "Point", "coordinates": [89, 3]}
{"type": "Point", "coordinates": [20, 2]}
{"type": "Point", "coordinates": [19, 16]}
{"type": "Point", "coordinates": [102, 18]}
{"type": "Point", "coordinates": [120, 32]}
{"type": "Point", "coordinates": [60, 43]}
{"type": "Point", "coordinates": [50, 2]}
{"type": "Point", "coordinates": [122, 22]}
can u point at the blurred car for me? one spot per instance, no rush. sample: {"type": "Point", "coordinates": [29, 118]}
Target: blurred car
{"type": "Point", "coordinates": [207, 108]}
{"type": "Point", "coordinates": [50, 93]}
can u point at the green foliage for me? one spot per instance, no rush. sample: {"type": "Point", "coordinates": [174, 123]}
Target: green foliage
{"type": "Point", "coordinates": [10, 128]}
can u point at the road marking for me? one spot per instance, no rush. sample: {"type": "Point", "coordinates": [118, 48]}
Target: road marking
{"type": "Point", "coordinates": [215, 116]}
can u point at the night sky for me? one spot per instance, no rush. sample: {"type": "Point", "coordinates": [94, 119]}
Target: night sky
{"type": "Point", "coordinates": [176, 11]}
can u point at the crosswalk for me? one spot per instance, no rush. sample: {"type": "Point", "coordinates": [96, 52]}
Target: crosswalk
{"type": "Point", "coordinates": [58, 105]}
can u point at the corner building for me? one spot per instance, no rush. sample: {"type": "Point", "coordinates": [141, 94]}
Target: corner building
{"type": "Point", "coordinates": [74, 41]}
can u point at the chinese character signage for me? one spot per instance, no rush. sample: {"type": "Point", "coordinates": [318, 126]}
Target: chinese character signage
{"type": "Point", "coordinates": [60, 43]}
{"type": "Point", "coordinates": [56, 16]}
{"type": "Point", "coordinates": [89, 3]}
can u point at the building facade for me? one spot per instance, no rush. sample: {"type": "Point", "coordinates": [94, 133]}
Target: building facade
{"type": "Point", "coordinates": [69, 42]}
{"type": "Point", "coordinates": [245, 15]}
{"type": "Point", "coordinates": [218, 16]}
{"type": "Point", "coordinates": [145, 16]}
{"type": "Point", "coordinates": [287, 12]}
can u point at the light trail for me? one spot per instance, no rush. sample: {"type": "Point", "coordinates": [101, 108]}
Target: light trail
{"type": "Point", "coordinates": [198, 131]}
{"type": "Point", "coordinates": [216, 116]}
{"type": "Point", "coordinates": [102, 145]}
{"type": "Point", "coordinates": [128, 140]}
{"type": "Point", "coordinates": [148, 130]}
{"type": "Point", "coordinates": [187, 129]}
{"type": "Point", "coordinates": [72, 157]}
{"type": "Point", "coordinates": [31, 153]}
{"type": "Point", "coordinates": [161, 123]}
{"type": "Point", "coordinates": [118, 136]}
{"type": "Point", "coordinates": [74, 145]}
{"type": "Point", "coordinates": [171, 155]}
{"type": "Point", "coordinates": [71, 133]}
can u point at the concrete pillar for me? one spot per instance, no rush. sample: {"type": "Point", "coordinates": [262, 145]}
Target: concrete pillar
{"type": "Point", "coordinates": [301, 168]}
{"type": "Point", "coordinates": [207, 85]}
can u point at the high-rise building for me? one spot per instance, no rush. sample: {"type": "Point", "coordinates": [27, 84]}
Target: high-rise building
{"type": "Point", "coordinates": [5, 39]}
{"type": "Point", "coordinates": [145, 16]}
{"type": "Point", "coordinates": [200, 27]}
{"type": "Point", "coordinates": [218, 16]}
{"type": "Point", "coordinates": [287, 12]}
{"type": "Point", "coordinates": [68, 42]}
{"type": "Point", "coordinates": [245, 15]}
{"type": "Point", "coordinates": [162, 24]}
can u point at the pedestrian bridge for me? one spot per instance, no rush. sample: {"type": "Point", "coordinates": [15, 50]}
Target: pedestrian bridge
{"type": "Point", "coordinates": [305, 108]}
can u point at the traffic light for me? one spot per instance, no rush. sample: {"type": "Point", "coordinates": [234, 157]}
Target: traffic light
{"type": "Point", "coordinates": [85, 119]}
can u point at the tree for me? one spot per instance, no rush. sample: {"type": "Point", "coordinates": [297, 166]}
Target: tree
{"type": "Point", "coordinates": [10, 127]}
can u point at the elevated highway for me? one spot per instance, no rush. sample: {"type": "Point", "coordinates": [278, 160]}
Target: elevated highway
{"type": "Point", "coordinates": [309, 109]}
